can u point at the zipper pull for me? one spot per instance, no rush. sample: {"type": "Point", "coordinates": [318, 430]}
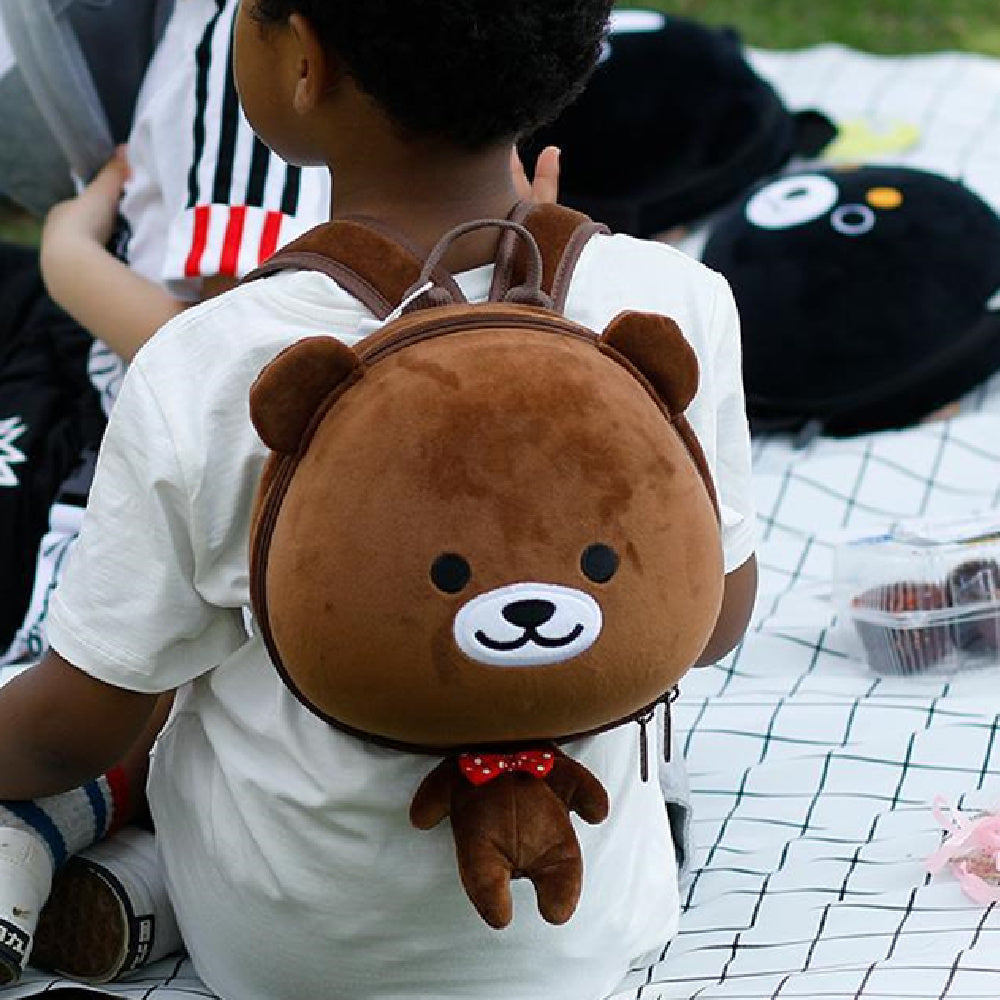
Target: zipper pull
{"type": "Point", "coordinates": [668, 735]}
{"type": "Point", "coordinates": [643, 721]}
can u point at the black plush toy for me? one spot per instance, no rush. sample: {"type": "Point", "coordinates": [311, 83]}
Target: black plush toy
{"type": "Point", "coordinates": [868, 296]}
{"type": "Point", "coordinates": [673, 123]}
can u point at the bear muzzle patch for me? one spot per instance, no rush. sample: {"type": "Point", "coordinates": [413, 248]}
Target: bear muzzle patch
{"type": "Point", "coordinates": [527, 625]}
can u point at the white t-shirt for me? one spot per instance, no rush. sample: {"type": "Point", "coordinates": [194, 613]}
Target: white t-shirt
{"type": "Point", "coordinates": [287, 845]}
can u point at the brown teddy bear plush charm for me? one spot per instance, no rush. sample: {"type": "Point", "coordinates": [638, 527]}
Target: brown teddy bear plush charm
{"type": "Point", "coordinates": [481, 533]}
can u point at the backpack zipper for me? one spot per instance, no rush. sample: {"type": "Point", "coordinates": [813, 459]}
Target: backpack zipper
{"type": "Point", "coordinates": [432, 325]}
{"type": "Point", "coordinates": [643, 719]}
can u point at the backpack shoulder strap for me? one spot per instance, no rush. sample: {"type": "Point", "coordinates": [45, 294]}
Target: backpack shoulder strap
{"type": "Point", "coordinates": [375, 266]}
{"type": "Point", "coordinates": [560, 233]}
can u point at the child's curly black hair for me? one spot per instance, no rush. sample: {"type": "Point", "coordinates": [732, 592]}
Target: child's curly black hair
{"type": "Point", "coordinates": [473, 72]}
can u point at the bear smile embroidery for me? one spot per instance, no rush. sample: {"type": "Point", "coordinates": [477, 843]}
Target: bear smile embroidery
{"type": "Point", "coordinates": [531, 634]}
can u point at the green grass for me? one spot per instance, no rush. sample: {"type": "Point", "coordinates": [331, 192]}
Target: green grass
{"type": "Point", "coordinates": [17, 226]}
{"type": "Point", "coordinates": [886, 26]}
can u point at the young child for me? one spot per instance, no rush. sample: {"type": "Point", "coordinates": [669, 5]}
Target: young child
{"type": "Point", "coordinates": [269, 853]}
{"type": "Point", "coordinates": [197, 202]}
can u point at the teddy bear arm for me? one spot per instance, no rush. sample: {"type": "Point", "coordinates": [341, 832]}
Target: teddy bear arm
{"type": "Point", "coordinates": [579, 789]}
{"type": "Point", "coordinates": [432, 801]}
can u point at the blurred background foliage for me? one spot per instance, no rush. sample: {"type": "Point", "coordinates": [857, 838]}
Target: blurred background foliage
{"type": "Point", "coordinates": [884, 26]}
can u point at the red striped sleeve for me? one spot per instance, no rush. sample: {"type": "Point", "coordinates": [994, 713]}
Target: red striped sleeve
{"type": "Point", "coordinates": [230, 260]}
{"type": "Point", "coordinates": [199, 240]}
{"type": "Point", "coordinates": [269, 235]}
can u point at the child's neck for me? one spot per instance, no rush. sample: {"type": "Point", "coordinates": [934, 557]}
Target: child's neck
{"type": "Point", "coordinates": [424, 193]}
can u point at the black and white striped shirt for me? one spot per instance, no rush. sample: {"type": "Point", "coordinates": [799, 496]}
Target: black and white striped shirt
{"type": "Point", "coordinates": [207, 197]}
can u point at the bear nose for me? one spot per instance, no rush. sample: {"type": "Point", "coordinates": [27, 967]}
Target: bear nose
{"type": "Point", "coordinates": [529, 614]}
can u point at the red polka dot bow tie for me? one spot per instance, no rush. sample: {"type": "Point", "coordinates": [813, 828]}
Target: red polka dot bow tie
{"type": "Point", "coordinates": [481, 768]}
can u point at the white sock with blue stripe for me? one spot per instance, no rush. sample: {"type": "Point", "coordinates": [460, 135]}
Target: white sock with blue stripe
{"type": "Point", "coordinates": [36, 838]}
{"type": "Point", "coordinates": [73, 820]}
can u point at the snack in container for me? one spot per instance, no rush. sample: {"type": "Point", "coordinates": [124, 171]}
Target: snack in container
{"type": "Point", "coordinates": [976, 582]}
{"type": "Point", "coordinates": [900, 625]}
{"type": "Point", "coordinates": [924, 596]}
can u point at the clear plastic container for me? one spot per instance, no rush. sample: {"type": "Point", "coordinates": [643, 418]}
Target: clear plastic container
{"type": "Point", "coordinates": [925, 596]}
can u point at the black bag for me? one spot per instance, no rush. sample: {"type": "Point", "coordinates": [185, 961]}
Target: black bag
{"type": "Point", "coordinates": [868, 296]}
{"type": "Point", "coordinates": [50, 415]}
{"type": "Point", "coordinates": [673, 123]}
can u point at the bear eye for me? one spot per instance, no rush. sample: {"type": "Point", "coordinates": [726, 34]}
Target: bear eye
{"type": "Point", "coordinates": [450, 572]}
{"type": "Point", "coordinates": [599, 562]}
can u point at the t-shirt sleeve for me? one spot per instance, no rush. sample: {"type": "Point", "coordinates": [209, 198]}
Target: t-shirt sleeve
{"type": "Point", "coordinates": [135, 553]}
{"type": "Point", "coordinates": [732, 445]}
{"type": "Point", "coordinates": [228, 229]}
{"type": "Point", "coordinates": [228, 201]}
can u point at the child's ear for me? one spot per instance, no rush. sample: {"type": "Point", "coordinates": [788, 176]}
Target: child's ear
{"type": "Point", "coordinates": [318, 69]}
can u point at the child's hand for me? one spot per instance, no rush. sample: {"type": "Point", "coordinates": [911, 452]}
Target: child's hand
{"type": "Point", "coordinates": [92, 213]}
{"type": "Point", "coordinates": [116, 304]}
{"type": "Point", "coordinates": [543, 188]}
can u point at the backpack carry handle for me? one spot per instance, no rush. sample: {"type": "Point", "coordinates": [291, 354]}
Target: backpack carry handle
{"type": "Point", "coordinates": [425, 293]}
{"type": "Point", "coordinates": [389, 276]}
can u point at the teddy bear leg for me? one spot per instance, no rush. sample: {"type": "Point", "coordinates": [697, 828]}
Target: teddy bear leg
{"type": "Point", "coordinates": [558, 882]}
{"type": "Point", "coordinates": [485, 874]}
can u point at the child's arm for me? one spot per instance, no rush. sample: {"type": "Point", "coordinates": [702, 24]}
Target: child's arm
{"type": "Point", "coordinates": [733, 478]}
{"type": "Point", "coordinates": [99, 291]}
{"type": "Point", "coordinates": [59, 728]}
{"type": "Point", "coordinates": [737, 606]}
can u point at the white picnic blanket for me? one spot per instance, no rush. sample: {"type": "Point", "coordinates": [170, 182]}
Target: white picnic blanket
{"type": "Point", "coordinates": [813, 777]}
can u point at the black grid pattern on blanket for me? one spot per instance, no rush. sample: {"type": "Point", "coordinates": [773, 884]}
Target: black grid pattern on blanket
{"type": "Point", "coordinates": [813, 777]}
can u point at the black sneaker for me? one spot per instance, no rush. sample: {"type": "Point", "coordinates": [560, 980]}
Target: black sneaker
{"type": "Point", "coordinates": [108, 912]}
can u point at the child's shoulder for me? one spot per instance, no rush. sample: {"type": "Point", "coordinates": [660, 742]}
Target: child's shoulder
{"type": "Point", "coordinates": [617, 272]}
{"type": "Point", "coordinates": [646, 259]}
{"type": "Point", "coordinates": [212, 352]}
{"type": "Point", "coordinates": [259, 314]}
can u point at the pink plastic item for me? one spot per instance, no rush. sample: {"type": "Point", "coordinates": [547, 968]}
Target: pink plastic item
{"type": "Point", "coordinates": [971, 850]}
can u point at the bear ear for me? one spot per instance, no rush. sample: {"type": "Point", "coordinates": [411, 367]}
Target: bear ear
{"type": "Point", "coordinates": [288, 392]}
{"type": "Point", "coordinates": [655, 345]}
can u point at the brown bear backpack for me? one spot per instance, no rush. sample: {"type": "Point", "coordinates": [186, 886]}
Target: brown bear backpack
{"type": "Point", "coordinates": [483, 532]}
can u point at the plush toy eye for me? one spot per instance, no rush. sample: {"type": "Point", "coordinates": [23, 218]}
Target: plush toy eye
{"type": "Point", "coordinates": [599, 562]}
{"type": "Point", "coordinates": [792, 201]}
{"type": "Point", "coordinates": [450, 572]}
{"type": "Point", "coordinates": [853, 220]}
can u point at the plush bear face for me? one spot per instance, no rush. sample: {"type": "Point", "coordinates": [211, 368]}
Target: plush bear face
{"type": "Point", "coordinates": [488, 536]}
